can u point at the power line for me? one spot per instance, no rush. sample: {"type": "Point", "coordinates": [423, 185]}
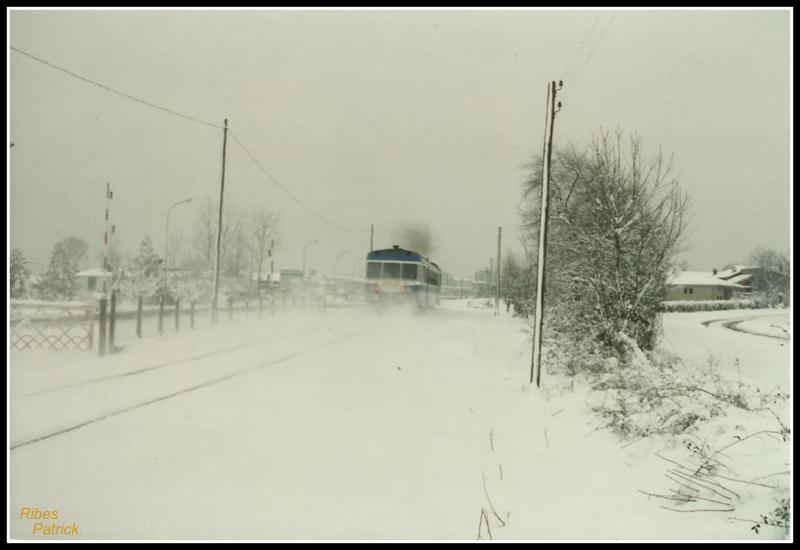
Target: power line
{"type": "Point", "coordinates": [585, 61]}
{"type": "Point", "coordinates": [585, 41]}
{"type": "Point", "coordinates": [109, 89]}
{"type": "Point", "coordinates": [276, 182]}
{"type": "Point", "coordinates": [176, 113]}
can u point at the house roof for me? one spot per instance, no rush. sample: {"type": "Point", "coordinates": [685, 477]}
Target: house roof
{"type": "Point", "coordinates": [700, 278]}
{"type": "Point", "coordinates": [741, 278]}
{"type": "Point", "coordinates": [734, 270]}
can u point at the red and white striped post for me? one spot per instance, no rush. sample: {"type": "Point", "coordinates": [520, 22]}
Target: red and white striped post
{"type": "Point", "coordinates": [109, 230]}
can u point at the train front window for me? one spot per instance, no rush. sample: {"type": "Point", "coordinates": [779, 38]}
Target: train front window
{"type": "Point", "coordinates": [391, 271]}
{"type": "Point", "coordinates": [373, 270]}
{"type": "Point", "coordinates": [409, 272]}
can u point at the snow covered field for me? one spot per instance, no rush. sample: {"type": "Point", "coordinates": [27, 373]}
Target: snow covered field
{"type": "Point", "coordinates": [352, 424]}
{"type": "Point", "coordinates": [760, 361]}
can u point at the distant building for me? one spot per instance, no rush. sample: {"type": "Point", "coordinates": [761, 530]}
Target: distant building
{"type": "Point", "coordinates": [702, 285]}
{"type": "Point", "coordinates": [759, 282]}
{"type": "Point", "coordinates": [91, 280]}
{"type": "Point", "coordinates": [266, 278]}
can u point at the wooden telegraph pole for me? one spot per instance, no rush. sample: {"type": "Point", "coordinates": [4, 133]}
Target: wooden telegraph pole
{"type": "Point", "coordinates": [536, 367]}
{"type": "Point", "coordinates": [219, 225]}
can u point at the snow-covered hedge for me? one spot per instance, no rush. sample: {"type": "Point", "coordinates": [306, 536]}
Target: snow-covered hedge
{"type": "Point", "coordinates": [712, 305]}
{"type": "Point", "coordinates": [708, 427]}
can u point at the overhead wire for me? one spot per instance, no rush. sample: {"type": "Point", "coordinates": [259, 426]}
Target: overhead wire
{"type": "Point", "coordinates": [110, 89]}
{"type": "Point", "coordinates": [276, 182]}
{"type": "Point", "coordinates": [185, 116]}
{"type": "Point", "coordinates": [583, 44]}
{"type": "Point", "coordinates": [594, 48]}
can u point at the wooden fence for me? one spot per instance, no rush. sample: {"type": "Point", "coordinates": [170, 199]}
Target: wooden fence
{"type": "Point", "coordinates": [51, 325]}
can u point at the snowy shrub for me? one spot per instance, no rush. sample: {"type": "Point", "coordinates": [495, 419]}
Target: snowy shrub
{"type": "Point", "coordinates": [194, 288]}
{"type": "Point", "coordinates": [779, 517]}
{"type": "Point", "coordinates": [665, 396]}
{"type": "Point", "coordinates": [712, 305]}
{"type": "Point", "coordinates": [240, 290]}
{"type": "Point", "coordinates": [616, 220]}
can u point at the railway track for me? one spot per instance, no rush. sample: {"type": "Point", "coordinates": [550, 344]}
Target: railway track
{"type": "Point", "coordinates": [145, 403]}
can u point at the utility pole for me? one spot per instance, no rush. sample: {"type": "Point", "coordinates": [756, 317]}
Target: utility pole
{"type": "Point", "coordinates": [536, 366]}
{"type": "Point", "coordinates": [371, 236]}
{"type": "Point", "coordinates": [497, 285]}
{"type": "Point", "coordinates": [219, 225]}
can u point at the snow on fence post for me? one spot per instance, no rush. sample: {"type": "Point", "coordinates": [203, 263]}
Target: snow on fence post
{"type": "Point", "coordinates": [177, 314]}
{"type": "Point", "coordinates": [112, 320]}
{"type": "Point", "coordinates": [90, 333]}
{"type": "Point", "coordinates": [161, 316]}
{"type": "Point", "coordinates": [139, 318]}
{"type": "Point", "coordinates": [101, 340]}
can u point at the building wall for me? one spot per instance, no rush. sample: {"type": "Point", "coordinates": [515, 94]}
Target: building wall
{"type": "Point", "coordinates": [696, 293]}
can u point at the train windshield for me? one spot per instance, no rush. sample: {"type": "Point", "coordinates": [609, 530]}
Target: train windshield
{"type": "Point", "coordinates": [391, 271]}
{"type": "Point", "coordinates": [373, 270]}
{"type": "Point", "coordinates": [409, 272]}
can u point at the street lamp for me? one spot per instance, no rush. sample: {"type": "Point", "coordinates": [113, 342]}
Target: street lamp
{"type": "Point", "coordinates": [166, 239]}
{"type": "Point", "coordinates": [304, 256]}
{"type": "Point", "coordinates": [336, 261]}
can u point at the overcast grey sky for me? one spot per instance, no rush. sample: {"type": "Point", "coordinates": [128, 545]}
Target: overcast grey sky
{"type": "Point", "coordinates": [388, 117]}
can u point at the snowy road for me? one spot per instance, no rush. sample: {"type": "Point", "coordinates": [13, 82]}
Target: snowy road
{"type": "Point", "coordinates": [348, 424]}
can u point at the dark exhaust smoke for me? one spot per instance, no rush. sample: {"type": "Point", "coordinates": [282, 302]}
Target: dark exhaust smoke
{"type": "Point", "coordinates": [414, 237]}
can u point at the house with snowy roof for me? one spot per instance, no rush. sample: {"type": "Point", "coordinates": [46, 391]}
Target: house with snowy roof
{"type": "Point", "coordinates": [702, 285]}
{"type": "Point", "coordinates": [763, 281]}
{"type": "Point", "coordinates": [91, 279]}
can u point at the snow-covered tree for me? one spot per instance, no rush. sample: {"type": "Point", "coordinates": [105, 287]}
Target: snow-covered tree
{"type": "Point", "coordinates": [19, 274]}
{"type": "Point", "coordinates": [58, 281]}
{"type": "Point", "coordinates": [143, 277]}
{"type": "Point", "coordinates": [76, 251]}
{"type": "Point", "coordinates": [616, 220]}
{"type": "Point", "coordinates": [771, 281]}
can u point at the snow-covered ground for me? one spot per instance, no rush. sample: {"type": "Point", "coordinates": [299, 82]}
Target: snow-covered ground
{"type": "Point", "coordinates": [348, 423]}
{"type": "Point", "coordinates": [701, 337]}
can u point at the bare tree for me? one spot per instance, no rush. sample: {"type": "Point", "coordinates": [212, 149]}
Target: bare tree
{"type": "Point", "coordinates": [234, 242]}
{"type": "Point", "coordinates": [204, 239]}
{"type": "Point", "coordinates": [616, 221]}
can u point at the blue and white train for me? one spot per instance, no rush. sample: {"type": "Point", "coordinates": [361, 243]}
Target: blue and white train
{"type": "Point", "coordinates": [397, 275]}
